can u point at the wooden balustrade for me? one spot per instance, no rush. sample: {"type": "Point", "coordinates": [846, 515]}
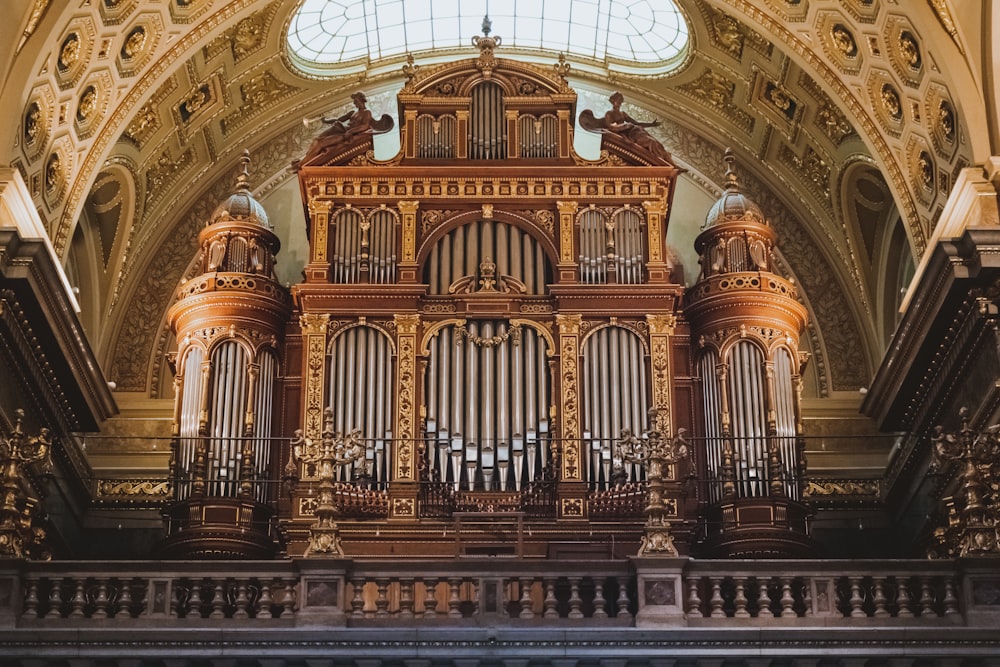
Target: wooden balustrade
{"type": "Point", "coordinates": [511, 591]}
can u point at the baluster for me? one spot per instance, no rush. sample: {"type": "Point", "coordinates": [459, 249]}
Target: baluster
{"type": "Point", "coordinates": [454, 598]}
{"type": "Point", "coordinates": [950, 601]}
{"type": "Point", "coordinates": [623, 613]}
{"type": "Point", "coordinates": [740, 599]}
{"type": "Point", "coordinates": [218, 602]}
{"type": "Point", "coordinates": [856, 599]}
{"type": "Point", "coordinates": [146, 589]}
{"type": "Point", "coordinates": [79, 600]}
{"type": "Point", "coordinates": [476, 592]}
{"type": "Point", "coordinates": [807, 596]}
{"type": "Point", "coordinates": [382, 597]}
{"type": "Point", "coordinates": [358, 599]}
{"type": "Point", "coordinates": [406, 598]}
{"type": "Point", "coordinates": [526, 606]}
{"type": "Point", "coordinates": [550, 599]}
{"type": "Point", "coordinates": [242, 601]}
{"type": "Point", "coordinates": [194, 604]}
{"type": "Point", "coordinates": [599, 601]}
{"type": "Point", "coordinates": [265, 601]}
{"type": "Point", "coordinates": [288, 601]}
{"type": "Point", "coordinates": [31, 600]}
{"type": "Point", "coordinates": [926, 598]}
{"type": "Point", "coordinates": [903, 600]}
{"type": "Point", "coordinates": [125, 600]}
{"type": "Point", "coordinates": [787, 601]}
{"type": "Point", "coordinates": [575, 603]}
{"type": "Point", "coordinates": [101, 600]}
{"type": "Point", "coordinates": [430, 597]}
{"type": "Point", "coordinates": [764, 600]}
{"type": "Point", "coordinates": [693, 600]}
{"type": "Point", "coordinates": [880, 610]}
{"type": "Point", "coordinates": [716, 601]}
{"type": "Point", "coordinates": [55, 599]}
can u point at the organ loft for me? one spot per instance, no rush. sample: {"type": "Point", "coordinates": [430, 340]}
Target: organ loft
{"type": "Point", "coordinates": [491, 348]}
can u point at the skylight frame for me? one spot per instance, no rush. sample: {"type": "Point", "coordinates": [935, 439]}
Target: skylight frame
{"type": "Point", "coordinates": [329, 38]}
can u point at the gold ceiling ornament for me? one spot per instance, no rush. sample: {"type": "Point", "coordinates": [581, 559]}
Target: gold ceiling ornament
{"type": "Point", "coordinates": [972, 525]}
{"type": "Point", "coordinates": [843, 39]}
{"type": "Point", "coordinates": [37, 12]}
{"type": "Point", "coordinates": [943, 13]}
{"type": "Point", "coordinates": [20, 534]}
{"type": "Point", "coordinates": [70, 51]}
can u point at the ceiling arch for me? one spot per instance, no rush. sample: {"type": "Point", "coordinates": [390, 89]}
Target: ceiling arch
{"type": "Point", "coordinates": [208, 78]}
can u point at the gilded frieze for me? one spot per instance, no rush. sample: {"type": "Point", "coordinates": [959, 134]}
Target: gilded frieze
{"type": "Point", "coordinates": [74, 52]}
{"type": "Point", "coordinates": [942, 121]}
{"type": "Point", "coordinates": [731, 36]}
{"type": "Point", "coordinates": [840, 42]}
{"type": "Point", "coordinates": [259, 92]}
{"type": "Point", "coordinates": [139, 42]}
{"type": "Point", "coordinates": [905, 52]}
{"type": "Point", "coordinates": [115, 12]}
{"type": "Point", "coordinates": [718, 91]}
{"type": "Point", "coordinates": [92, 103]}
{"type": "Point", "coordinates": [811, 167]}
{"type": "Point", "coordinates": [163, 173]}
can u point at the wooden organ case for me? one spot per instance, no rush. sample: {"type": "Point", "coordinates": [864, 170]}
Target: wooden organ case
{"type": "Point", "coordinates": [489, 311]}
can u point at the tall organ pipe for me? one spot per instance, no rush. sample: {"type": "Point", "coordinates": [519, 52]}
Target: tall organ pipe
{"type": "Point", "coordinates": [486, 438]}
{"type": "Point", "coordinates": [360, 393]}
{"type": "Point", "coordinates": [615, 397]}
{"type": "Point", "coordinates": [462, 250]}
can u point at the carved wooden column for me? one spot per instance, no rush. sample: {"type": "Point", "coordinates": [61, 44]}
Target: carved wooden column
{"type": "Point", "coordinates": [408, 242]}
{"type": "Point", "coordinates": [656, 267]}
{"type": "Point", "coordinates": [318, 269]}
{"type": "Point", "coordinates": [661, 327]}
{"type": "Point", "coordinates": [405, 483]}
{"type": "Point", "coordinates": [314, 326]}
{"type": "Point", "coordinates": [567, 256]}
{"type": "Point", "coordinates": [572, 488]}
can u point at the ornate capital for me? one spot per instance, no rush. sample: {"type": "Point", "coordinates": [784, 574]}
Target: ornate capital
{"type": "Point", "coordinates": [661, 324]}
{"type": "Point", "coordinates": [569, 324]}
{"type": "Point", "coordinates": [314, 323]}
{"type": "Point", "coordinates": [407, 324]}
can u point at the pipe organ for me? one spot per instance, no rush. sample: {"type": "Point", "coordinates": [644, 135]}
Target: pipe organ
{"type": "Point", "coordinates": [229, 321]}
{"type": "Point", "coordinates": [483, 317]}
{"type": "Point", "coordinates": [748, 320]}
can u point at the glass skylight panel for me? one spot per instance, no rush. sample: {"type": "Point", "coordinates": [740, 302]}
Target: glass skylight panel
{"type": "Point", "coordinates": [635, 33]}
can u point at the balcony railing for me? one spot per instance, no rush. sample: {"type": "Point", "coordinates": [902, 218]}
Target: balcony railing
{"type": "Point", "coordinates": [505, 591]}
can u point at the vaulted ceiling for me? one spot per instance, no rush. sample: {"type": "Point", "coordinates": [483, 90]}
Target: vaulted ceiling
{"type": "Point", "coordinates": [851, 120]}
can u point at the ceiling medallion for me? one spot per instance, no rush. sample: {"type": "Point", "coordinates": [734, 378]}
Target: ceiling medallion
{"type": "Point", "coordinates": [890, 102]}
{"type": "Point", "coordinates": [69, 53]}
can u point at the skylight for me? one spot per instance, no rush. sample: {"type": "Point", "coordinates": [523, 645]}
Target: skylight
{"type": "Point", "coordinates": [626, 35]}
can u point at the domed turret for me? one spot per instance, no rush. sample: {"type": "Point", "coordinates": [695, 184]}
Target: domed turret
{"type": "Point", "coordinates": [746, 321]}
{"type": "Point", "coordinates": [733, 205]}
{"type": "Point", "coordinates": [228, 321]}
{"type": "Point", "coordinates": [241, 205]}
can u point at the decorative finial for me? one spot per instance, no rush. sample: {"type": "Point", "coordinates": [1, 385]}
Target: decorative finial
{"type": "Point", "coordinates": [487, 25]}
{"type": "Point", "coordinates": [243, 179]}
{"type": "Point", "coordinates": [732, 182]}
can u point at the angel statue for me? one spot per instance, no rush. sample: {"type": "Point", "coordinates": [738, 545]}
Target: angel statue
{"type": "Point", "coordinates": [620, 123]}
{"type": "Point", "coordinates": [344, 130]}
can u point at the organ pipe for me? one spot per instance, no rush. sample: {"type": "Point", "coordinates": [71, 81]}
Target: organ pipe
{"type": "Point", "coordinates": [615, 397]}
{"type": "Point", "coordinates": [191, 392]}
{"type": "Point", "coordinates": [487, 123]}
{"type": "Point", "coordinates": [461, 251]}
{"type": "Point", "coordinates": [352, 243]}
{"type": "Point", "coordinates": [482, 446]}
{"type": "Point", "coordinates": [436, 136]}
{"type": "Point", "coordinates": [360, 392]}
{"type": "Point", "coordinates": [712, 403]}
{"type": "Point", "coordinates": [538, 136]}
